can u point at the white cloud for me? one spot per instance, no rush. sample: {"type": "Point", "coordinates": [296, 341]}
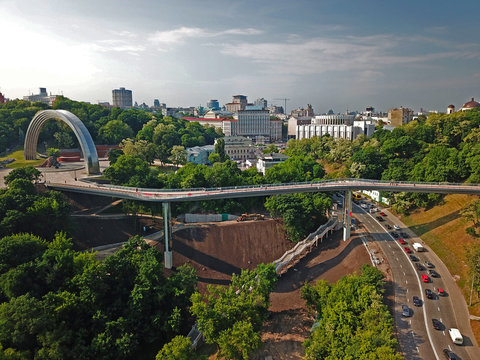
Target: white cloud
{"type": "Point", "coordinates": [176, 36]}
{"type": "Point", "coordinates": [351, 53]}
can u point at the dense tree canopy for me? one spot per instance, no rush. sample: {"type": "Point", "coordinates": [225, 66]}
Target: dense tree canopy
{"type": "Point", "coordinates": [61, 304]}
{"type": "Point", "coordinates": [352, 320]}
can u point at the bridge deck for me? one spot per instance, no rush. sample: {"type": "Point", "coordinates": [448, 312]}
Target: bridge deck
{"type": "Point", "coordinates": [198, 194]}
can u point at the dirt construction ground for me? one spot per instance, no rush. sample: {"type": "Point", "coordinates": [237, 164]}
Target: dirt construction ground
{"type": "Point", "coordinates": [217, 250]}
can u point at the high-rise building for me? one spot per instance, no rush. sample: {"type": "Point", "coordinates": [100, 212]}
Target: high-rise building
{"type": "Point", "coordinates": [239, 103]}
{"type": "Point", "coordinates": [262, 103]}
{"type": "Point", "coordinates": [399, 117]}
{"type": "Point", "coordinates": [2, 98]}
{"type": "Point", "coordinates": [213, 105]}
{"type": "Point", "coordinates": [156, 103]}
{"type": "Point", "coordinates": [122, 98]}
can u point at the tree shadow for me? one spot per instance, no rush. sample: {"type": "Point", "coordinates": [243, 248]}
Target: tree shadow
{"type": "Point", "coordinates": [294, 279]}
{"type": "Point", "coordinates": [204, 259]}
{"type": "Point", "coordinates": [421, 229]}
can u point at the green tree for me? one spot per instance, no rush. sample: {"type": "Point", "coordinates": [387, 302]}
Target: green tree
{"type": "Point", "coordinates": [239, 341]}
{"type": "Point", "coordinates": [214, 158]}
{"type": "Point", "coordinates": [271, 149]}
{"type": "Point", "coordinates": [179, 348]}
{"type": "Point", "coordinates": [114, 131]}
{"type": "Point", "coordinates": [128, 170]}
{"type": "Point", "coordinates": [220, 149]}
{"type": "Point", "coordinates": [179, 155]}
{"type": "Point", "coordinates": [53, 152]}
{"type": "Point", "coordinates": [28, 173]}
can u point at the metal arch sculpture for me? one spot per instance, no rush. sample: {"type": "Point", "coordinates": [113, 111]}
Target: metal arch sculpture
{"type": "Point", "coordinates": [84, 138]}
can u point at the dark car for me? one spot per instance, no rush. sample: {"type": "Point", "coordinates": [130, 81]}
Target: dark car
{"type": "Point", "coordinates": [394, 234]}
{"type": "Point", "coordinates": [379, 218]}
{"type": "Point", "coordinates": [419, 266]}
{"type": "Point", "coordinates": [388, 226]}
{"type": "Point", "coordinates": [405, 311]}
{"type": "Point", "coordinates": [413, 258]}
{"type": "Point", "coordinates": [429, 293]}
{"type": "Point", "coordinates": [433, 273]}
{"type": "Point", "coordinates": [429, 264]}
{"type": "Point", "coordinates": [437, 325]}
{"type": "Point", "coordinates": [449, 355]}
{"type": "Point", "coordinates": [404, 235]}
{"type": "Point", "coordinates": [417, 301]}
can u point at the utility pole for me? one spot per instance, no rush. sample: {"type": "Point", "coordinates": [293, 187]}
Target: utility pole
{"type": "Point", "coordinates": [285, 102]}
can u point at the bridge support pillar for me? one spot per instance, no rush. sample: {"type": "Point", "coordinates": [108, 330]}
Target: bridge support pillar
{"type": "Point", "coordinates": [347, 216]}
{"type": "Point", "coordinates": [166, 234]}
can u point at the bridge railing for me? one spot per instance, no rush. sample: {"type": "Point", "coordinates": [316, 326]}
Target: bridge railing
{"type": "Point", "coordinates": [346, 181]}
{"type": "Point", "coordinates": [290, 257]}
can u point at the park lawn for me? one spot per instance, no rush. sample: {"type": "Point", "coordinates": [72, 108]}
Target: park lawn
{"type": "Point", "coordinates": [20, 161]}
{"type": "Point", "coordinates": [443, 229]}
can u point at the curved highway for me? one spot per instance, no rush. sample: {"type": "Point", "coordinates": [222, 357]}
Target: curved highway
{"type": "Point", "coordinates": [417, 336]}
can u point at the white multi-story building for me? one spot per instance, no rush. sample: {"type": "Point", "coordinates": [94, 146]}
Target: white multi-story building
{"type": "Point", "coordinates": [337, 126]}
{"type": "Point", "coordinates": [268, 160]}
{"type": "Point", "coordinates": [41, 97]}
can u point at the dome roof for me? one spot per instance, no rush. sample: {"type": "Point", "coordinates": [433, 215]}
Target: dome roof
{"type": "Point", "coordinates": [451, 106]}
{"type": "Point", "coordinates": [471, 104]}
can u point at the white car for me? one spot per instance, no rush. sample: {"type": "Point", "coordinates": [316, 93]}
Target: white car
{"type": "Point", "coordinates": [396, 227]}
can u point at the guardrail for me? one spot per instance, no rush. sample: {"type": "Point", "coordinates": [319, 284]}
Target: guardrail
{"type": "Point", "coordinates": [302, 248]}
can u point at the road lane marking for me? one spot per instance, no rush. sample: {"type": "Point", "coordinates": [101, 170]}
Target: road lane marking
{"type": "Point", "coordinates": [401, 266]}
{"type": "Point", "coordinates": [438, 308]}
{"type": "Point", "coordinates": [449, 348]}
{"type": "Point", "coordinates": [419, 286]}
{"type": "Point", "coordinates": [443, 332]}
{"type": "Point", "coordinates": [406, 282]}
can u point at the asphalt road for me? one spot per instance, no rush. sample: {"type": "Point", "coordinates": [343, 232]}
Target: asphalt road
{"type": "Point", "coordinates": [418, 339]}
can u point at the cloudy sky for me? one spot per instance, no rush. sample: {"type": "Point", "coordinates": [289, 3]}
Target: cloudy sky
{"type": "Point", "coordinates": [335, 54]}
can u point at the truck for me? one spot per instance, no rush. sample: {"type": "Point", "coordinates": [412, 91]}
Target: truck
{"type": "Point", "coordinates": [418, 247]}
{"type": "Point", "coordinates": [456, 336]}
{"type": "Point", "coordinates": [248, 217]}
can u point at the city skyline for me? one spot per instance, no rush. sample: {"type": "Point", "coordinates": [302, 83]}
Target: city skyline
{"type": "Point", "coordinates": [331, 54]}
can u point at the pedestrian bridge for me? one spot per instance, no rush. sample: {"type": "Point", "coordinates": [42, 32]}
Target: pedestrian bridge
{"type": "Point", "coordinates": [200, 194]}
{"type": "Point", "coordinates": [167, 196]}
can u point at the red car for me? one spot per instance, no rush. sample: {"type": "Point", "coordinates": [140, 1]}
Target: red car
{"type": "Point", "coordinates": [401, 241]}
{"type": "Point", "coordinates": [441, 292]}
{"type": "Point", "coordinates": [383, 214]}
{"type": "Point", "coordinates": [425, 278]}
{"type": "Point", "coordinates": [407, 250]}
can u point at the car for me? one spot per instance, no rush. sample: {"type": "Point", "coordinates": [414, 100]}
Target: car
{"type": "Point", "coordinates": [429, 264]}
{"type": "Point", "coordinates": [404, 235]}
{"type": "Point", "coordinates": [429, 294]}
{"type": "Point", "coordinates": [388, 227]}
{"type": "Point", "coordinates": [419, 266]}
{"type": "Point", "coordinates": [449, 354]}
{"type": "Point", "coordinates": [394, 234]}
{"type": "Point", "coordinates": [433, 273]}
{"type": "Point", "coordinates": [413, 258]}
{"type": "Point", "coordinates": [417, 301]}
{"type": "Point", "coordinates": [383, 214]}
{"type": "Point", "coordinates": [441, 292]}
{"type": "Point", "coordinates": [379, 218]}
{"type": "Point", "coordinates": [364, 206]}
{"type": "Point", "coordinates": [401, 241]}
{"type": "Point", "coordinates": [425, 278]}
{"type": "Point", "coordinates": [437, 325]}
{"type": "Point", "coordinates": [396, 227]}
{"type": "Point", "coordinates": [405, 311]}
{"type": "Point", "coordinates": [407, 250]}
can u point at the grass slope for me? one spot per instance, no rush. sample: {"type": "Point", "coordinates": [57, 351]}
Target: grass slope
{"type": "Point", "coordinates": [20, 161]}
